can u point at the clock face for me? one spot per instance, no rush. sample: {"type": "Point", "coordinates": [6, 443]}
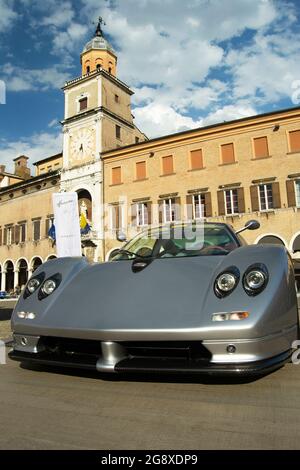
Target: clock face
{"type": "Point", "coordinates": [82, 145]}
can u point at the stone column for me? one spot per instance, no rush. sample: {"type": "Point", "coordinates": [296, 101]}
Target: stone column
{"type": "Point", "coordinates": [16, 278]}
{"type": "Point", "coordinates": [3, 280]}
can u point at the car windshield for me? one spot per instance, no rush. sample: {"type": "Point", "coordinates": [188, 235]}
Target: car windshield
{"type": "Point", "coordinates": [180, 241]}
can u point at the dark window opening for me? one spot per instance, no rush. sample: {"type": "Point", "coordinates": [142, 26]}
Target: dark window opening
{"type": "Point", "coordinates": [83, 104]}
{"type": "Point", "coordinates": [118, 132]}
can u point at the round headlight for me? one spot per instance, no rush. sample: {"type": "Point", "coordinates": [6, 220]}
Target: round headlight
{"type": "Point", "coordinates": [49, 286]}
{"type": "Point", "coordinates": [255, 279]}
{"type": "Point", "coordinates": [226, 282]}
{"type": "Point", "coordinates": [33, 285]}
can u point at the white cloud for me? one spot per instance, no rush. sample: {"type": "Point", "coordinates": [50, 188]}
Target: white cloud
{"type": "Point", "coordinates": [18, 79]}
{"type": "Point", "coordinates": [65, 42]}
{"type": "Point", "coordinates": [157, 119]}
{"type": "Point", "coordinates": [266, 70]}
{"type": "Point", "coordinates": [54, 123]}
{"type": "Point", "coordinates": [229, 113]}
{"type": "Point", "coordinates": [168, 51]}
{"type": "Point", "coordinates": [62, 15]}
{"type": "Point", "coordinates": [36, 147]}
{"type": "Point", "coordinates": [7, 15]}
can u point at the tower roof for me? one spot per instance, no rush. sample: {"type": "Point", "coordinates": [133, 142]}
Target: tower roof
{"type": "Point", "coordinates": [98, 42]}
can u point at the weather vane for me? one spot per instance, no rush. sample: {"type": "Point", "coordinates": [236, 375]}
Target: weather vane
{"type": "Point", "coordinates": [100, 23]}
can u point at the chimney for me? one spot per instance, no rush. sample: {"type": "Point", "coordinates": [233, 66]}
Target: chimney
{"type": "Point", "coordinates": [21, 168]}
{"type": "Point", "coordinates": [2, 171]}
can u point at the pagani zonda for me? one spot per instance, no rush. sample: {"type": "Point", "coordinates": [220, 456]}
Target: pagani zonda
{"type": "Point", "coordinates": [170, 301]}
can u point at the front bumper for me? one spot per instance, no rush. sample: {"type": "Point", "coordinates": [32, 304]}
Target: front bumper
{"type": "Point", "coordinates": [180, 357]}
{"type": "Point", "coordinates": [160, 366]}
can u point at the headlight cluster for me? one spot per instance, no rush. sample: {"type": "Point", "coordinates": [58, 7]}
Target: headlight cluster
{"type": "Point", "coordinates": [49, 286]}
{"type": "Point", "coordinates": [255, 280]}
{"type": "Point", "coordinates": [227, 281]}
{"type": "Point", "coordinates": [33, 284]}
{"type": "Point", "coordinates": [44, 287]}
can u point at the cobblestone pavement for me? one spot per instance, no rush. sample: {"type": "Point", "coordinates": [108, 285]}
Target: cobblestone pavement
{"type": "Point", "coordinates": [57, 409]}
{"type": "Point", "coordinates": [5, 330]}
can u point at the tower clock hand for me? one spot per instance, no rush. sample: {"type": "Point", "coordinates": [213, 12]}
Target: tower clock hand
{"type": "Point", "coordinates": [81, 148]}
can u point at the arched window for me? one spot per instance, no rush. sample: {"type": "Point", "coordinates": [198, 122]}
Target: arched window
{"type": "Point", "coordinates": [88, 69]}
{"type": "Point", "coordinates": [9, 281]}
{"type": "Point", "coordinates": [271, 240]}
{"type": "Point", "coordinates": [23, 273]}
{"type": "Point", "coordinates": [85, 203]}
{"type": "Point", "coordinates": [36, 263]}
{"type": "Point", "coordinates": [98, 67]}
{"type": "Point", "coordinates": [296, 244]}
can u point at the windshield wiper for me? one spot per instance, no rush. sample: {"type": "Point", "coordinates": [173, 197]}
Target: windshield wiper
{"type": "Point", "coordinates": [131, 253]}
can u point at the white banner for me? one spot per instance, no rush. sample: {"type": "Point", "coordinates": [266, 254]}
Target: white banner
{"type": "Point", "coordinates": [67, 226]}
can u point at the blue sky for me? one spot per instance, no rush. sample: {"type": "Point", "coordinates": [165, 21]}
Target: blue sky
{"type": "Point", "coordinates": [190, 63]}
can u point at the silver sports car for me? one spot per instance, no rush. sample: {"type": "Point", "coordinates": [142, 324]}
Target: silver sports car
{"type": "Point", "coordinates": [184, 298]}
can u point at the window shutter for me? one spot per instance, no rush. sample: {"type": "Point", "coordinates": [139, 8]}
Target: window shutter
{"type": "Point", "coordinates": [5, 236]}
{"type": "Point", "coordinates": [167, 163]}
{"type": "Point", "coordinates": [116, 175]}
{"type": "Point", "coordinates": [254, 198]}
{"type": "Point", "coordinates": [196, 159]}
{"type": "Point", "coordinates": [17, 234]}
{"type": "Point", "coordinates": [12, 235]}
{"type": "Point", "coordinates": [221, 203]}
{"type": "Point", "coordinates": [160, 211]}
{"type": "Point", "coordinates": [134, 215]}
{"type": "Point", "coordinates": [295, 141]}
{"type": "Point", "coordinates": [177, 208]}
{"type": "Point", "coordinates": [83, 104]}
{"type": "Point", "coordinates": [208, 206]}
{"type": "Point", "coordinates": [149, 209]}
{"type": "Point", "coordinates": [291, 195]}
{"type": "Point", "coordinates": [227, 153]}
{"type": "Point", "coordinates": [189, 207]}
{"type": "Point", "coordinates": [276, 195]}
{"type": "Point", "coordinates": [261, 148]}
{"type": "Point", "coordinates": [118, 217]}
{"type": "Point", "coordinates": [141, 170]}
{"type": "Point", "coordinates": [47, 227]}
{"type": "Point", "coordinates": [113, 217]}
{"type": "Point", "coordinates": [241, 200]}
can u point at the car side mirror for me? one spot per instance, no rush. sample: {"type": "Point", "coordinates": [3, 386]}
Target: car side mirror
{"type": "Point", "coordinates": [250, 225]}
{"type": "Point", "coordinates": [121, 237]}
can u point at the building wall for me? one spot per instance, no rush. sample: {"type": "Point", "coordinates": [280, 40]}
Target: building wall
{"type": "Point", "coordinates": [120, 107]}
{"type": "Point", "coordinates": [36, 203]}
{"type": "Point", "coordinates": [94, 57]}
{"type": "Point", "coordinates": [283, 222]}
{"type": "Point", "coordinates": [87, 88]}
{"type": "Point", "coordinates": [48, 165]}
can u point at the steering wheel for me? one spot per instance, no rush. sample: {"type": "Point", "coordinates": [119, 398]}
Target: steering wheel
{"type": "Point", "coordinates": [215, 248]}
{"type": "Point", "coordinates": [144, 252]}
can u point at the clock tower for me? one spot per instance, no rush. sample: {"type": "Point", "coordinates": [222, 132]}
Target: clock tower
{"type": "Point", "coordinates": [97, 118]}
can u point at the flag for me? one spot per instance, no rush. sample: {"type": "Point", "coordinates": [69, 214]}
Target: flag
{"type": "Point", "coordinates": [52, 232]}
{"type": "Point", "coordinates": [85, 228]}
